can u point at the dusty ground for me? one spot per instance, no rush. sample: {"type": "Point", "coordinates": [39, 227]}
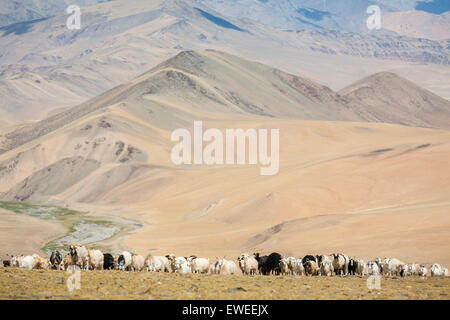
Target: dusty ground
{"type": "Point", "coordinates": [37, 284]}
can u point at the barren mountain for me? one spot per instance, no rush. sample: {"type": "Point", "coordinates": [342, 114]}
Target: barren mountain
{"type": "Point", "coordinates": [346, 186]}
{"type": "Point", "coordinates": [376, 46]}
{"type": "Point", "coordinates": [13, 12]}
{"type": "Point", "coordinates": [397, 100]}
{"type": "Point", "coordinates": [212, 82]}
{"type": "Point", "coordinates": [46, 67]}
{"type": "Point", "coordinates": [418, 24]}
{"type": "Point", "coordinates": [344, 15]}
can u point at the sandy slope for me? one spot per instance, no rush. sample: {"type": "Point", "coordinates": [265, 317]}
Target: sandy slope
{"type": "Point", "coordinates": [337, 190]}
{"type": "Point", "coordinates": [367, 189]}
{"type": "Point", "coordinates": [323, 197]}
{"type": "Point", "coordinates": [22, 234]}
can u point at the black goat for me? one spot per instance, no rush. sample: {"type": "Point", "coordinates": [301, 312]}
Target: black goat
{"type": "Point", "coordinates": [55, 259]}
{"type": "Point", "coordinates": [268, 264]}
{"type": "Point", "coordinates": [108, 261]}
{"type": "Point", "coordinates": [352, 267]}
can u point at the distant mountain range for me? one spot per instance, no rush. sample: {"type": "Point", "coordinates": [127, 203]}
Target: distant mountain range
{"type": "Point", "coordinates": [344, 15]}
{"type": "Point", "coordinates": [213, 82]}
{"type": "Point", "coordinates": [12, 12]}
{"type": "Point", "coordinates": [45, 68]}
{"type": "Point", "coordinates": [111, 156]}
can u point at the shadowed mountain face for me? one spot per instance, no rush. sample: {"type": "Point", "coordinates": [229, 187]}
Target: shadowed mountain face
{"type": "Point", "coordinates": [397, 100]}
{"type": "Point", "coordinates": [218, 21]}
{"type": "Point", "coordinates": [208, 83]}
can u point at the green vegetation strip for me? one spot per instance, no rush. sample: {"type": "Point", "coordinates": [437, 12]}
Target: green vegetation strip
{"type": "Point", "coordinates": [39, 211]}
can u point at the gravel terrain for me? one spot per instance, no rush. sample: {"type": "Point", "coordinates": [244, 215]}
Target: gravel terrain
{"type": "Point", "coordinates": [41, 284]}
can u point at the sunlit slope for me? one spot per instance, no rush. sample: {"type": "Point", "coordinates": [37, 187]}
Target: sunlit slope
{"type": "Point", "coordinates": [363, 189]}
{"type": "Point", "coordinates": [367, 189]}
{"type": "Point", "coordinates": [197, 84]}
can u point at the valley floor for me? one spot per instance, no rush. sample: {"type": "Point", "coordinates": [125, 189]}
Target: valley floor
{"type": "Point", "coordinates": [40, 284]}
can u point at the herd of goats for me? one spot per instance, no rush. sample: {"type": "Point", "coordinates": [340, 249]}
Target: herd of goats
{"type": "Point", "coordinates": [80, 257]}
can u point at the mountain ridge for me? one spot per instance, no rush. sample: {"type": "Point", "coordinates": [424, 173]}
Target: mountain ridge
{"type": "Point", "coordinates": [111, 157]}
{"type": "Point", "coordinates": [397, 98]}
{"type": "Point", "coordinates": [50, 67]}
{"type": "Point", "coordinates": [209, 76]}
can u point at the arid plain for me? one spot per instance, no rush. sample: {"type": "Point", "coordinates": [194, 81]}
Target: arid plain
{"type": "Point", "coordinates": [86, 119]}
{"type": "Point", "coordinates": [366, 189]}
{"type": "Point", "coordinates": [116, 285]}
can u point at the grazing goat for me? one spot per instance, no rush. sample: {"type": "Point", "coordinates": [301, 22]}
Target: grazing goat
{"type": "Point", "coordinates": [55, 259]}
{"type": "Point", "coordinates": [79, 256]}
{"type": "Point", "coordinates": [268, 264]}
{"type": "Point", "coordinates": [325, 265]}
{"type": "Point", "coordinates": [108, 261]}
{"type": "Point", "coordinates": [311, 268]}
{"type": "Point", "coordinates": [137, 262]}
{"type": "Point", "coordinates": [124, 261]}
{"type": "Point", "coordinates": [67, 262]}
{"type": "Point", "coordinates": [248, 264]}
{"type": "Point", "coordinates": [158, 263]}
{"type": "Point", "coordinates": [340, 264]}
{"type": "Point", "coordinates": [224, 267]}
{"type": "Point", "coordinates": [199, 265]}
{"type": "Point", "coordinates": [96, 260]}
